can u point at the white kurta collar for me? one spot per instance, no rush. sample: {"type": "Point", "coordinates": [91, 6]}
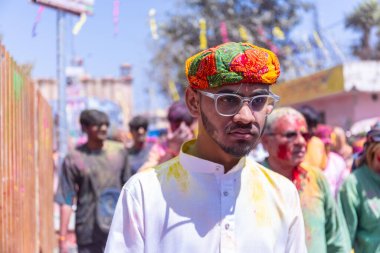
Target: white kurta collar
{"type": "Point", "coordinates": [195, 164]}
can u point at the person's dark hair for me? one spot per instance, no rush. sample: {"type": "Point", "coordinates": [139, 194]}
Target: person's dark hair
{"type": "Point", "coordinates": [93, 118]}
{"type": "Point", "coordinates": [311, 115]}
{"type": "Point", "coordinates": [137, 122]}
{"type": "Point", "coordinates": [178, 112]}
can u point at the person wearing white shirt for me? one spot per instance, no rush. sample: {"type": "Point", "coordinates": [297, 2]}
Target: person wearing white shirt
{"type": "Point", "coordinates": [211, 198]}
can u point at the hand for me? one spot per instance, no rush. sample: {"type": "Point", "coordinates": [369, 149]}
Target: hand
{"type": "Point", "coordinates": [180, 135]}
{"type": "Point", "coordinates": [63, 245]}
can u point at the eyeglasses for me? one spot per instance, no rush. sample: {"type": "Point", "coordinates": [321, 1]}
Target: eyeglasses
{"type": "Point", "coordinates": [227, 104]}
{"type": "Point", "coordinates": [292, 135]}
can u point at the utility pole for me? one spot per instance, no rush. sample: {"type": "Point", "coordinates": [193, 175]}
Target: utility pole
{"type": "Point", "coordinates": [61, 79]}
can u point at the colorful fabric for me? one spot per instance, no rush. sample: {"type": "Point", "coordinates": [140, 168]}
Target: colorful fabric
{"type": "Point", "coordinates": [316, 153]}
{"type": "Point", "coordinates": [232, 63]}
{"type": "Point", "coordinates": [360, 201]}
{"type": "Point", "coordinates": [190, 205]}
{"type": "Point", "coordinates": [324, 132]}
{"type": "Point", "coordinates": [89, 177]}
{"type": "Point", "coordinates": [326, 231]}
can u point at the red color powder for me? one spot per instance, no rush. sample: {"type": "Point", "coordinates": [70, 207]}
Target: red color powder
{"type": "Point", "coordinates": [283, 152]}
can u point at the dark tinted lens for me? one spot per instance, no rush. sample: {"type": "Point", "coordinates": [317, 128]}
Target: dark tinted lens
{"type": "Point", "coordinates": [290, 135]}
{"type": "Point", "coordinates": [228, 104]}
{"type": "Point", "coordinates": [306, 136]}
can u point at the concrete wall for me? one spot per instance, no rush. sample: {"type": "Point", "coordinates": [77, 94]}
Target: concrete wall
{"type": "Point", "coordinates": [346, 108]}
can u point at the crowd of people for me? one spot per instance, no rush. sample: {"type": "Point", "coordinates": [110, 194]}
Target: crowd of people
{"type": "Point", "coordinates": [234, 173]}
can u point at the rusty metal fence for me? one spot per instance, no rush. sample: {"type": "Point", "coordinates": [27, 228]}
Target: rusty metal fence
{"type": "Point", "coordinates": [26, 163]}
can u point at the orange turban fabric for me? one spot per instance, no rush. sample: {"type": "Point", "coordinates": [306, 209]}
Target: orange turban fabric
{"type": "Point", "coordinates": [232, 63]}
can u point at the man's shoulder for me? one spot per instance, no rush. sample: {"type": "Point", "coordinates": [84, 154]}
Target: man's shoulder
{"type": "Point", "coordinates": [315, 176]}
{"type": "Point", "coordinates": [152, 174]}
{"type": "Point", "coordinates": [76, 151]}
{"type": "Point", "coordinates": [311, 169]}
{"type": "Point", "coordinates": [273, 178]}
{"type": "Point", "coordinates": [114, 145]}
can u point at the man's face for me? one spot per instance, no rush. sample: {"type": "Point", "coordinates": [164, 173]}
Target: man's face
{"type": "Point", "coordinates": [139, 134]}
{"type": "Point", "coordinates": [287, 141]}
{"type": "Point", "coordinates": [236, 135]}
{"type": "Point", "coordinates": [375, 164]}
{"type": "Point", "coordinates": [96, 132]}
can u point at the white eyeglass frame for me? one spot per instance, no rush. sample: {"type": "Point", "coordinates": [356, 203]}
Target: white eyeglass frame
{"type": "Point", "coordinates": [215, 97]}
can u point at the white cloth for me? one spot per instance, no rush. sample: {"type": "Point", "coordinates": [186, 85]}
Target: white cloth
{"type": "Point", "coordinates": [189, 205]}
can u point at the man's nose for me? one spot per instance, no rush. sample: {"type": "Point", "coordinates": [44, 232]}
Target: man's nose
{"type": "Point", "coordinates": [245, 114]}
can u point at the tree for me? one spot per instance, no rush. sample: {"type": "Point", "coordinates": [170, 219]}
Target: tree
{"type": "Point", "coordinates": [365, 18]}
{"type": "Point", "coordinates": [179, 35]}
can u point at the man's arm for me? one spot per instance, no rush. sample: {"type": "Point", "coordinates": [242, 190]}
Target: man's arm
{"type": "Point", "coordinates": [65, 198]}
{"type": "Point", "coordinates": [64, 219]}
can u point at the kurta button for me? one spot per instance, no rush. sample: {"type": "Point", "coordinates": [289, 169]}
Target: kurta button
{"type": "Point", "coordinates": [227, 226]}
{"type": "Point", "coordinates": [225, 193]}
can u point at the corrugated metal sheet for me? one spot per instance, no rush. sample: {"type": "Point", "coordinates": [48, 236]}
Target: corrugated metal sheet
{"type": "Point", "coordinates": [26, 163]}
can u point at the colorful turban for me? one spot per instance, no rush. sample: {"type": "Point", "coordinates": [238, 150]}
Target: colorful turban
{"type": "Point", "coordinates": [232, 63]}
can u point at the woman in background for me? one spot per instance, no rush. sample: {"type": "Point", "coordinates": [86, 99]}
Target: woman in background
{"type": "Point", "coordinates": [360, 197]}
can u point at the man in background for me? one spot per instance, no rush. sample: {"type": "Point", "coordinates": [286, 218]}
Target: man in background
{"type": "Point", "coordinates": [141, 145]}
{"type": "Point", "coordinates": [285, 138]}
{"type": "Point", "coordinates": [92, 175]}
{"type": "Point", "coordinates": [315, 151]}
{"type": "Point", "coordinates": [182, 127]}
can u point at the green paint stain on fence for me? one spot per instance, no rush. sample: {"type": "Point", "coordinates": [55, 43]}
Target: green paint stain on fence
{"type": "Point", "coordinates": [17, 84]}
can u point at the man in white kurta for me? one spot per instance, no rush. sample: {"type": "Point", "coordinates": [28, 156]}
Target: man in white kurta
{"type": "Point", "coordinates": [189, 205]}
{"type": "Point", "coordinates": [211, 198]}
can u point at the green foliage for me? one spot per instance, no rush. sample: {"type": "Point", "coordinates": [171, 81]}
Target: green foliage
{"type": "Point", "coordinates": [365, 18]}
{"type": "Point", "coordinates": [179, 34]}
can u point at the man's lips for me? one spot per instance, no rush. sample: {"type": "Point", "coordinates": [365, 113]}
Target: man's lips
{"type": "Point", "coordinates": [243, 133]}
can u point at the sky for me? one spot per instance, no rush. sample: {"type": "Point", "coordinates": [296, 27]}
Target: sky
{"type": "Point", "coordinates": [103, 51]}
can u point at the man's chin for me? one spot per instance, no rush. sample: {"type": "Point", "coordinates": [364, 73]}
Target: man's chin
{"type": "Point", "coordinates": [239, 150]}
{"type": "Point", "coordinates": [102, 137]}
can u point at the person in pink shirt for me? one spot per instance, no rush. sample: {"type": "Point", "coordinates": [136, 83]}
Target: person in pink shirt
{"type": "Point", "coordinates": [336, 170]}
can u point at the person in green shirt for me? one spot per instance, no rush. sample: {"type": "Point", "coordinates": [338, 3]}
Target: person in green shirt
{"type": "Point", "coordinates": [285, 139]}
{"type": "Point", "coordinates": [359, 197]}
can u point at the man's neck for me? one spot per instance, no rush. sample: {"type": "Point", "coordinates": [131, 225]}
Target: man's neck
{"type": "Point", "coordinates": [95, 144]}
{"type": "Point", "coordinates": [216, 155]}
{"type": "Point", "coordinates": [280, 168]}
{"type": "Point", "coordinates": [138, 146]}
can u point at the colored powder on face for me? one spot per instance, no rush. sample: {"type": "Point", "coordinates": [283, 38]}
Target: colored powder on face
{"type": "Point", "coordinates": [283, 152]}
{"type": "Point", "coordinates": [378, 158]}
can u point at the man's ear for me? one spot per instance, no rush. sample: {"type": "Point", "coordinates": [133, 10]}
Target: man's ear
{"type": "Point", "coordinates": [192, 102]}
